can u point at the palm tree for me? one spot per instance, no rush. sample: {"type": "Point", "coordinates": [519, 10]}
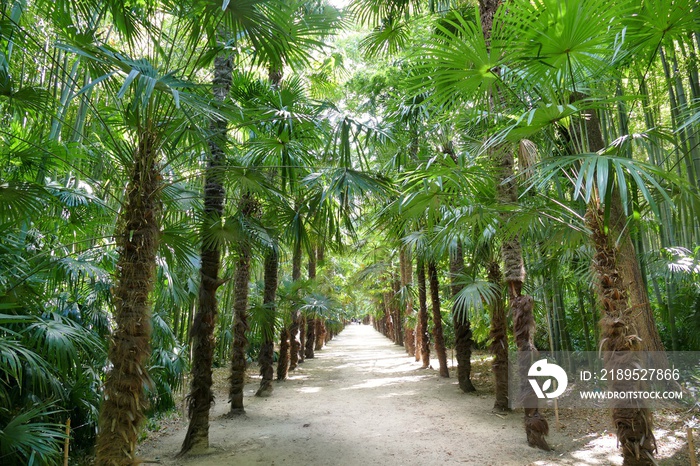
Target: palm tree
{"type": "Point", "coordinates": [200, 397]}
{"type": "Point", "coordinates": [248, 208]}
{"type": "Point", "coordinates": [422, 327]}
{"type": "Point", "coordinates": [267, 351]}
{"type": "Point", "coordinates": [311, 323]}
{"type": "Point", "coordinates": [279, 137]}
{"type": "Point", "coordinates": [521, 306]}
{"type": "Point", "coordinates": [621, 286]}
{"type": "Point", "coordinates": [137, 238]}
{"type": "Point", "coordinates": [437, 318]}
{"type": "Point", "coordinates": [463, 332]}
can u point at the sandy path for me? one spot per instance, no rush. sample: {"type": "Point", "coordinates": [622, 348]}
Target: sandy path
{"type": "Point", "coordinates": [361, 401]}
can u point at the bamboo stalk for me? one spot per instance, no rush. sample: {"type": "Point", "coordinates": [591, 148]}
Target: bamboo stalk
{"type": "Point", "coordinates": [66, 443]}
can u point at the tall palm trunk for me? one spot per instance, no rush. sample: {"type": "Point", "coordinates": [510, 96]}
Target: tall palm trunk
{"type": "Point", "coordinates": [311, 341]}
{"type": "Point", "coordinates": [627, 259]}
{"type": "Point", "coordinates": [294, 342]}
{"type": "Point", "coordinates": [499, 338]}
{"type": "Point", "coordinates": [303, 328]}
{"type": "Point", "coordinates": [283, 361]}
{"type": "Point", "coordinates": [312, 322]}
{"type": "Point", "coordinates": [248, 206]}
{"type": "Point", "coordinates": [267, 350]}
{"type": "Point", "coordinates": [627, 323]}
{"type": "Point", "coordinates": [437, 318]}
{"type": "Point", "coordinates": [397, 316]}
{"type": "Point", "coordinates": [406, 279]}
{"type": "Point", "coordinates": [137, 238]}
{"type": "Point", "coordinates": [321, 334]}
{"type": "Point", "coordinates": [201, 397]}
{"type": "Point", "coordinates": [423, 313]}
{"type": "Point", "coordinates": [463, 331]}
{"type": "Point", "coordinates": [418, 337]}
{"type": "Point", "coordinates": [536, 426]}
{"type": "Point", "coordinates": [633, 425]}
{"type": "Point", "coordinates": [499, 332]}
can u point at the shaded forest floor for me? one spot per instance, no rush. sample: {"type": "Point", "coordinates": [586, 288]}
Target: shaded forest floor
{"type": "Point", "coordinates": [363, 401]}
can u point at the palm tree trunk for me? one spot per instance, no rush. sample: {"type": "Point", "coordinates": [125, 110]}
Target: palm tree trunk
{"type": "Point", "coordinates": [267, 351]}
{"type": "Point", "coordinates": [311, 322]}
{"type": "Point", "coordinates": [240, 314]}
{"type": "Point", "coordinates": [499, 338]}
{"type": "Point", "coordinates": [536, 427]}
{"type": "Point", "coordinates": [627, 260]}
{"type": "Point", "coordinates": [311, 341]}
{"type": "Point", "coordinates": [396, 310]}
{"type": "Point", "coordinates": [633, 425]}
{"type": "Point", "coordinates": [511, 253]}
{"type": "Point", "coordinates": [626, 308]}
{"type": "Point", "coordinates": [283, 361]}
{"type": "Point", "coordinates": [423, 313]}
{"type": "Point", "coordinates": [418, 333]}
{"type": "Point", "coordinates": [406, 278]}
{"type": "Point", "coordinates": [321, 334]}
{"type": "Point", "coordinates": [463, 331]}
{"type": "Point", "coordinates": [295, 343]}
{"type": "Point", "coordinates": [437, 318]}
{"type": "Point", "coordinates": [388, 317]}
{"type": "Point", "coordinates": [201, 397]}
{"type": "Point", "coordinates": [303, 324]}
{"type": "Point", "coordinates": [137, 238]}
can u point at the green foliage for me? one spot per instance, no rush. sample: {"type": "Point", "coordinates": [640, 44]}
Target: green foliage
{"type": "Point", "coordinates": [397, 159]}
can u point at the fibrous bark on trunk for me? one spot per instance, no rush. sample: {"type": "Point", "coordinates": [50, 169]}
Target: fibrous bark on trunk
{"type": "Point", "coordinates": [437, 319]}
{"type": "Point", "coordinates": [499, 339]}
{"type": "Point", "coordinates": [137, 237]}
{"type": "Point", "coordinates": [424, 336]}
{"type": "Point", "coordinates": [618, 334]}
{"type": "Point", "coordinates": [248, 206]}
{"type": "Point", "coordinates": [302, 338]}
{"type": "Point", "coordinates": [283, 361]}
{"type": "Point", "coordinates": [397, 316]}
{"type": "Point", "coordinates": [321, 334]}
{"type": "Point", "coordinates": [311, 324]}
{"type": "Point", "coordinates": [627, 324]}
{"type": "Point", "coordinates": [627, 260]}
{"type": "Point", "coordinates": [294, 342]}
{"type": "Point", "coordinates": [536, 426]}
{"type": "Point", "coordinates": [463, 331]}
{"type": "Point", "coordinates": [201, 397]}
{"type": "Point", "coordinates": [267, 350]}
{"type": "Point", "coordinates": [406, 279]}
{"type": "Point", "coordinates": [388, 318]}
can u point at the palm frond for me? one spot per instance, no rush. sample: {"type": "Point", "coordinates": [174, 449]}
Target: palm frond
{"type": "Point", "coordinates": [28, 439]}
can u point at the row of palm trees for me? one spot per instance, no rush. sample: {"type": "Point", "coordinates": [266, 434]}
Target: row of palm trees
{"type": "Point", "coordinates": [562, 80]}
{"type": "Point", "coordinates": [143, 114]}
{"type": "Point", "coordinates": [153, 141]}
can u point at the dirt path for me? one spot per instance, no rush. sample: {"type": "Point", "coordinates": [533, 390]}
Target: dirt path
{"type": "Point", "coordinates": [362, 401]}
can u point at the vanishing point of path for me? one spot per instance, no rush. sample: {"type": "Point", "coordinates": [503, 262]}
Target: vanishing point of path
{"type": "Point", "coordinates": [361, 401]}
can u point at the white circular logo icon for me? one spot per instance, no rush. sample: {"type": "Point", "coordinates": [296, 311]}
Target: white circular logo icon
{"type": "Point", "coordinates": [549, 371]}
